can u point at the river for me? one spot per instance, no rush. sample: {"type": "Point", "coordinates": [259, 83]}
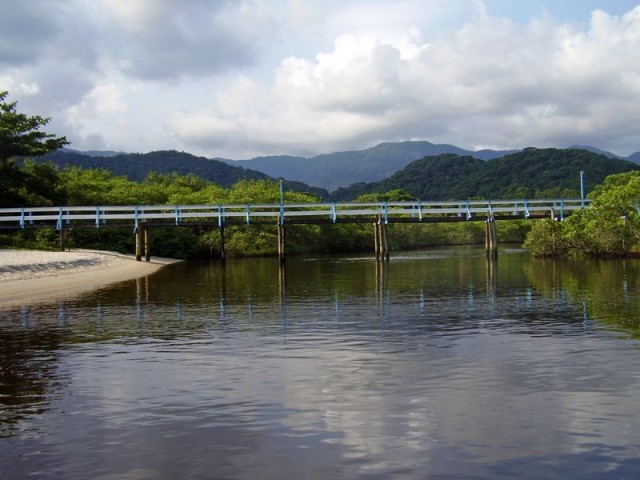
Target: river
{"type": "Point", "coordinates": [437, 364]}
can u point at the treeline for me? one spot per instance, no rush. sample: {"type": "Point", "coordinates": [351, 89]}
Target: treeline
{"type": "Point", "coordinates": [36, 184]}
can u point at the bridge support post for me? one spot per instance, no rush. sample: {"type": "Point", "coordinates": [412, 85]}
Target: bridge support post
{"type": "Point", "coordinates": [281, 242]}
{"type": "Point", "coordinates": [143, 243]}
{"type": "Point", "coordinates": [490, 239]}
{"type": "Point", "coordinates": [222, 250]}
{"type": "Point", "coordinates": [380, 239]}
{"type": "Point", "coordinates": [147, 243]}
{"type": "Point", "coordinates": [62, 238]}
{"type": "Point", "coordinates": [385, 243]}
{"type": "Point", "coordinates": [139, 242]}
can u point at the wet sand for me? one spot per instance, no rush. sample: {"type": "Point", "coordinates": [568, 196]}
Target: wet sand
{"type": "Point", "coordinates": [30, 276]}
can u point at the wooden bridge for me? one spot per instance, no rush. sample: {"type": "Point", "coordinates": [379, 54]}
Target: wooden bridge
{"type": "Point", "coordinates": [142, 217]}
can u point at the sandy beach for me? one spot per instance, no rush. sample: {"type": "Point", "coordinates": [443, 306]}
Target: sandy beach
{"type": "Point", "coordinates": [29, 276]}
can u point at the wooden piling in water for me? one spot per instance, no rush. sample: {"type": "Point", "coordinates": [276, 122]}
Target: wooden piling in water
{"type": "Point", "coordinates": [385, 243]}
{"type": "Point", "coordinates": [381, 244]}
{"type": "Point", "coordinates": [491, 240]}
{"type": "Point", "coordinates": [222, 250]}
{"type": "Point", "coordinates": [147, 244]}
{"type": "Point", "coordinates": [281, 242]}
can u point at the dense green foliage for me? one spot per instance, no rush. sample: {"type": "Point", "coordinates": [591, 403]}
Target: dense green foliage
{"type": "Point", "coordinates": [20, 136]}
{"type": "Point", "coordinates": [611, 227]}
{"type": "Point", "coordinates": [532, 173]}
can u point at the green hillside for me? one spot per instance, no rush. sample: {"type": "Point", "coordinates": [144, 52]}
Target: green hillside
{"type": "Point", "coordinates": [136, 166]}
{"type": "Point", "coordinates": [530, 173]}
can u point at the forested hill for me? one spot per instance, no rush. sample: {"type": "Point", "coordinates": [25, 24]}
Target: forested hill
{"type": "Point", "coordinates": [527, 174]}
{"type": "Point", "coordinates": [136, 166]}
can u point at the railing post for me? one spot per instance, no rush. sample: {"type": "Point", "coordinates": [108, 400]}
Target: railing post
{"type": "Point", "coordinates": [59, 222]}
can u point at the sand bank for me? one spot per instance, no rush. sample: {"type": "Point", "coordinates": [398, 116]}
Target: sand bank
{"type": "Point", "coordinates": [29, 276]}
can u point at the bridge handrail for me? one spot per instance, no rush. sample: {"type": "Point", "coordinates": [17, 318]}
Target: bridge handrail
{"type": "Point", "coordinates": [388, 210]}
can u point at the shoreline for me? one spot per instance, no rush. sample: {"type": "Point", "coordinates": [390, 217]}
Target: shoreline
{"type": "Point", "coordinates": [32, 276]}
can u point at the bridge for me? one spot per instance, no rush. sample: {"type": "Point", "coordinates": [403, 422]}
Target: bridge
{"type": "Point", "coordinates": [143, 217]}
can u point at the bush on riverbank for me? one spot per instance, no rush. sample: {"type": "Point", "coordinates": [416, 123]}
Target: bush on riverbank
{"type": "Point", "coordinates": [610, 228]}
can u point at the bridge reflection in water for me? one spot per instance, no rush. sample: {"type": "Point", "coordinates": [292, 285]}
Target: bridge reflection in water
{"type": "Point", "coordinates": [142, 299]}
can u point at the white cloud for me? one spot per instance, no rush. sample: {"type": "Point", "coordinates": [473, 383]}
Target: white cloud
{"type": "Point", "coordinates": [222, 78]}
{"type": "Point", "coordinates": [492, 82]}
{"type": "Point", "coordinates": [169, 39]}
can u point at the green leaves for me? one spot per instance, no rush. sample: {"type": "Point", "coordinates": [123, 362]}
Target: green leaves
{"type": "Point", "coordinates": [20, 136]}
{"type": "Point", "coordinates": [611, 227]}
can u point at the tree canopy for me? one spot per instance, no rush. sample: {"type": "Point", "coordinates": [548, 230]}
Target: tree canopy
{"type": "Point", "coordinates": [21, 136]}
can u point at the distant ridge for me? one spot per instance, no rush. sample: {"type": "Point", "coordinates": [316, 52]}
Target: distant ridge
{"type": "Point", "coordinates": [93, 153]}
{"type": "Point", "coordinates": [341, 169]}
{"type": "Point", "coordinates": [596, 150]}
{"type": "Point", "coordinates": [318, 174]}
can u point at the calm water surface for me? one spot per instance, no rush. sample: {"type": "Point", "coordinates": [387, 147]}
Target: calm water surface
{"type": "Point", "coordinates": [438, 364]}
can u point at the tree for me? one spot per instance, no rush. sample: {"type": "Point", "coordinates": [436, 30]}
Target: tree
{"type": "Point", "coordinates": [20, 136]}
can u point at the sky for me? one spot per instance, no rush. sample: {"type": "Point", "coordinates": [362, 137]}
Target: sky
{"type": "Point", "coordinates": [244, 78]}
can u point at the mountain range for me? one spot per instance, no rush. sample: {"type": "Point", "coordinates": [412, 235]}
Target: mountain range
{"type": "Point", "coordinates": [320, 174]}
{"type": "Point", "coordinates": [341, 169]}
